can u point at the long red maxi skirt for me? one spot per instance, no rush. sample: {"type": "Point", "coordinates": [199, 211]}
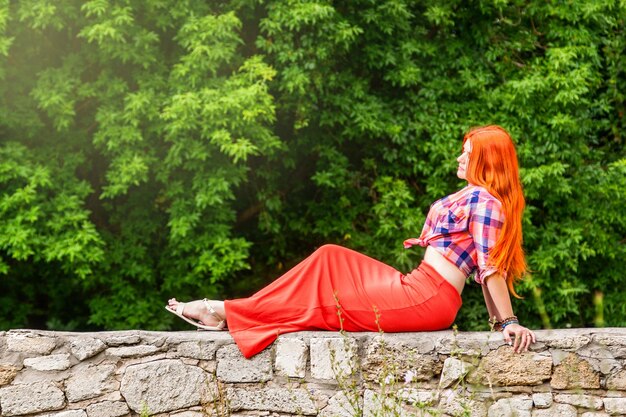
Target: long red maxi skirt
{"type": "Point", "coordinates": [337, 288]}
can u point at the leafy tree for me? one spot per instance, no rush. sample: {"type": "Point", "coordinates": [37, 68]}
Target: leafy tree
{"type": "Point", "coordinates": [153, 149]}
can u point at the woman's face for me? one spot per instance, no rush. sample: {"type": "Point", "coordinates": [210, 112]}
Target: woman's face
{"type": "Point", "coordinates": [463, 160]}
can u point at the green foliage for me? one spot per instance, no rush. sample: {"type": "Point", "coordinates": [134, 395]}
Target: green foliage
{"type": "Point", "coordinates": [187, 148]}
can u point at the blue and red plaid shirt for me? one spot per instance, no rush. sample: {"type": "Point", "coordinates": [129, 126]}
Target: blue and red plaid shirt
{"type": "Point", "coordinates": [463, 227]}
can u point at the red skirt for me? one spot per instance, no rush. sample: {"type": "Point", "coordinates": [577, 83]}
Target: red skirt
{"type": "Point", "coordinates": [337, 288]}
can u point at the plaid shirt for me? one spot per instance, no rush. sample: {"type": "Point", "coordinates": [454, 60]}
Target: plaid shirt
{"type": "Point", "coordinates": [462, 227]}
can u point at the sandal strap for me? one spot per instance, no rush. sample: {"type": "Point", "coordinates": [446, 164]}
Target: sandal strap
{"type": "Point", "coordinates": [214, 313]}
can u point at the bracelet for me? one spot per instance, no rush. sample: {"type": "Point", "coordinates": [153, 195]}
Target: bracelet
{"type": "Point", "coordinates": [497, 325]}
{"type": "Point", "coordinates": [506, 323]}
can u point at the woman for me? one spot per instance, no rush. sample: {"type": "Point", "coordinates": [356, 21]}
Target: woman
{"type": "Point", "coordinates": [476, 230]}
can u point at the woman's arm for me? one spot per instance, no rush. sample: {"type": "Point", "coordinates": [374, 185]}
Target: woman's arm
{"type": "Point", "coordinates": [498, 304]}
{"type": "Point", "coordinates": [491, 308]}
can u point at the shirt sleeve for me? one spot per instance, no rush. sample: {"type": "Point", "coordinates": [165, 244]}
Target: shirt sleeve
{"type": "Point", "coordinates": [485, 225]}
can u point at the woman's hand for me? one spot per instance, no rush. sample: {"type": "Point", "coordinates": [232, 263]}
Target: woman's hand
{"type": "Point", "coordinates": [523, 337]}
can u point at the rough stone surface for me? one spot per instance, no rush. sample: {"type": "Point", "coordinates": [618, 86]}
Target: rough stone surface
{"type": "Point", "coordinates": [617, 381]}
{"type": "Point", "coordinates": [30, 343]}
{"type": "Point", "coordinates": [573, 342]}
{"type": "Point", "coordinates": [291, 357]}
{"type": "Point", "coordinates": [190, 414]}
{"type": "Point", "coordinates": [123, 339]}
{"type": "Point", "coordinates": [89, 381]}
{"type": "Point", "coordinates": [70, 413]}
{"type": "Point", "coordinates": [472, 344]}
{"type": "Point", "coordinates": [341, 405]}
{"type": "Point", "coordinates": [574, 372]}
{"type": "Point", "coordinates": [378, 404]}
{"type": "Point", "coordinates": [415, 396]}
{"type": "Point", "coordinates": [23, 399]}
{"type": "Point", "coordinates": [515, 406]}
{"type": "Point", "coordinates": [132, 351]}
{"type": "Point", "coordinates": [455, 404]}
{"type": "Point", "coordinates": [164, 385]}
{"type": "Point", "coordinates": [453, 372]}
{"type": "Point", "coordinates": [557, 410]}
{"type": "Point", "coordinates": [542, 399]}
{"type": "Point", "coordinates": [108, 409]}
{"type": "Point", "coordinates": [400, 402]}
{"type": "Point", "coordinates": [7, 373]}
{"type": "Point", "coordinates": [58, 362]}
{"type": "Point", "coordinates": [385, 358]}
{"type": "Point", "coordinates": [232, 366]}
{"type": "Point", "coordinates": [293, 401]}
{"type": "Point", "coordinates": [615, 406]}
{"type": "Point", "coordinates": [580, 400]}
{"type": "Point", "coordinates": [333, 358]}
{"type": "Point", "coordinates": [504, 367]}
{"type": "Point", "coordinates": [401, 374]}
{"type": "Point", "coordinates": [197, 349]}
{"type": "Point", "coordinates": [86, 347]}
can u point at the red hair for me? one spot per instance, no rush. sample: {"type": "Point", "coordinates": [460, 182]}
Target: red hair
{"type": "Point", "coordinates": [493, 165]}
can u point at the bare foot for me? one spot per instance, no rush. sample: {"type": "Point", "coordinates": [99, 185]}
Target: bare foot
{"type": "Point", "coordinates": [197, 310]}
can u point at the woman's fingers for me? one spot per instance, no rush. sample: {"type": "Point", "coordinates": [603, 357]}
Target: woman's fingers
{"type": "Point", "coordinates": [523, 338]}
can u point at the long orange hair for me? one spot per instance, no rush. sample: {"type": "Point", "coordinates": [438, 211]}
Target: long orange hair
{"type": "Point", "coordinates": [493, 165]}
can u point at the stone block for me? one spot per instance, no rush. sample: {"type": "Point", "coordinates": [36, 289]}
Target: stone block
{"type": "Point", "coordinates": [418, 397]}
{"type": "Point", "coordinates": [58, 362]}
{"type": "Point", "coordinates": [387, 360]}
{"type": "Point", "coordinates": [380, 404]}
{"type": "Point", "coordinates": [281, 400]}
{"type": "Point", "coordinates": [469, 344]}
{"type": "Point", "coordinates": [557, 410]}
{"type": "Point", "coordinates": [17, 400]}
{"type": "Point", "coordinates": [580, 400]}
{"type": "Point", "coordinates": [333, 358]}
{"type": "Point", "coordinates": [616, 381]}
{"type": "Point", "coordinates": [542, 399]}
{"type": "Point", "coordinates": [68, 413]}
{"type": "Point", "coordinates": [594, 414]}
{"type": "Point", "coordinates": [573, 342]}
{"type": "Point", "coordinates": [232, 366]}
{"type": "Point", "coordinates": [89, 381]}
{"type": "Point", "coordinates": [197, 349]}
{"type": "Point", "coordinates": [399, 402]}
{"type": "Point", "coordinates": [123, 339]}
{"type": "Point", "coordinates": [291, 357]}
{"type": "Point", "coordinates": [615, 406]}
{"type": "Point", "coordinates": [515, 406]}
{"type": "Point", "coordinates": [454, 370]}
{"type": "Point", "coordinates": [456, 404]}
{"type": "Point", "coordinates": [190, 413]}
{"type": "Point", "coordinates": [342, 405]}
{"type": "Point", "coordinates": [574, 372]}
{"type": "Point", "coordinates": [163, 385]}
{"type": "Point", "coordinates": [558, 355]}
{"type": "Point", "coordinates": [30, 343]}
{"type": "Point", "coordinates": [7, 373]}
{"type": "Point", "coordinates": [86, 347]}
{"type": "Point", "coordinates": [504, 367]}
{"type": "Point", "coordinates": [108, 409]}
{"type": "Point", "coordinates": [132, 351]}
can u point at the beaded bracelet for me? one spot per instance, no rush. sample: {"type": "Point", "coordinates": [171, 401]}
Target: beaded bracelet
{"type": "Point", "coordinates": [497, 325]}
{"type": "Point", "coordinates": [506, 323]}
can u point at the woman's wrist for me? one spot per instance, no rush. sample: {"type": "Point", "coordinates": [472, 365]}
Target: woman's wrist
{"type": "Point", "coordinates": [499, 325]}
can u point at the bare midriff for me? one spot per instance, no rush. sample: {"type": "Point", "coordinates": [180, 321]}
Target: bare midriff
{"type": "Point", "coordinates": [445, 268]}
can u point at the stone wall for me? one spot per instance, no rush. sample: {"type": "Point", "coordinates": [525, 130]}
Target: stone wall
{"type": "Point", "coordinates": [576, 372]}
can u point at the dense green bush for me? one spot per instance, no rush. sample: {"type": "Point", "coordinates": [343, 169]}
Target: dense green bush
{"type": "Point", "coordinates": [159, 148]}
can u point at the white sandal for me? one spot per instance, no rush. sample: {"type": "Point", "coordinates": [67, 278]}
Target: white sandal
{"type": "Point", "coordinates": [180, 308]}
